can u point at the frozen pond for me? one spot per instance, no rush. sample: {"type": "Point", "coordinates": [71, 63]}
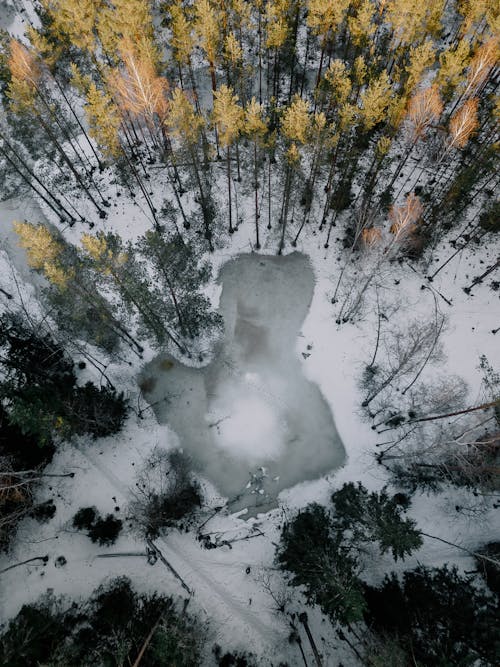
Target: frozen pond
{"type": "Point", "coordinates": [251, 421]}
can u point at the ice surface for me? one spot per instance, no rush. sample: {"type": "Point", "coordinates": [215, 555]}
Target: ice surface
{"type": "Point", "coordinates": [251, 415]}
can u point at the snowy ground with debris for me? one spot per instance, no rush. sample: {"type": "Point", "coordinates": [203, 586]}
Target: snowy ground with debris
{"type": "Point", "coordinates": [231, 584]}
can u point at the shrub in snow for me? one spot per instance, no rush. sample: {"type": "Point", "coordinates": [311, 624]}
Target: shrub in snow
{"type": "Point", "coordinates": [104, 531]}
{"type": "Point", "coordinates": [85, 518]}
{"type": "Point", "coordinates": [108, 629]}
{"type": "Point", "coordinates": [166, 492]}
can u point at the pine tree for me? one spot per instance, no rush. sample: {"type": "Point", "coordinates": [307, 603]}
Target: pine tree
{"type": "Point", "coordinates": [186, 125]}
{"type": "Point", "coordinates": [207, 29]}
{"type": "Point", "coordinates": [375, 101]}
{"type": "Point", "coordinates": [323, 17]}
{"type": "Point", "coordinates": [228, 117]}
{"type": "Point", "coordinates": [255, 128]}
{"type": "Point", "coordinates": [118, 264]}
{"type": "Point", "coordinates": [453, 62]}
{"type": "Point", "coordinates": [295, 126]}
{"type": "Point", "coordinates": [74, 21]}
{"type": "Point", "coordinates": [421, 58]}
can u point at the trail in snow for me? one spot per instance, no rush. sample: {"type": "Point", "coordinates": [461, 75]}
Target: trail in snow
{"type": "Point", "coordinates": [219, 601]}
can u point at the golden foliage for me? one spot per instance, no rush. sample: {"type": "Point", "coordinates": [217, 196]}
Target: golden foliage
{"type": "Point", "coordinates": [277, 25]}
{"type": "Point", "coordinates": [43, 251]}
{"type": "Point", "coordinates": [383, 146]}
{"type": "Point", "coordinates": [339, 83]}
{"type": "Point", "coordinates": [206, 26]}
{"type": "Point", "coordinates": [413, 20]}
{"type": "Point", "coordinates": [182, 41]}
{"type": "Point", "coordinates": [323, 16]}
{"type": "Point", "coordinates": [104, 120]}
{"type": "Point", "coordinates": [95, 246]}
{"type": "Point", "coordinates": [232, 50]}
{"type": "Point", "coordinates": [227, 115]}
{"type": "Point", "coordinates": [296, 121]}
{"type": "Point", "coordinates": [463, 124]}
{"type": "Point", "coordinates": [254, 125]}
{"type": "Point", "coordinates": [359, 70]}
{"type": "Point", "coordinates": [422, 57]}
{"type": "Point", "coordinates": [360, 24]}
{"type": "Point", "coordinates": [74, 20]}
{"type": "Point", "coordinates": [292, 155]}
{"type": "Point", "coordinates": [453, 62]}
{"type": "Point", "coordinates": [124, 19]}
{"type": "Point", "coordinates": [375, 100]}
{"type": "Point", "coordinates": [182, 119]}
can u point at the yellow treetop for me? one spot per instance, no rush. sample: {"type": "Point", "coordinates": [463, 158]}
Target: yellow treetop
{"type": "Point", "coordinates": [292, 155]}
{"type": "Point", "coordinates": [242, 12]}
{"type": "Point", "coordinates": [182, 120]}
{"type": "Point", "coordinates": [383, 146]}
{"type": "Point", "coordinates": [413, 20]}
{"type": "Point", "coordinates": [74, 20]}
{"type": "Point", "coordinates": [375, 100]}
{"type": "Point", "coordinates": [233, 52]}
{"type": "Point", "coordinates": [296, 120]}
{"type": "Point", "coordinates": [360, 24]}
{"type": "Point", "coordinates": [463, 124]}
{"type": "Point", "coordinates": [206, 25]}
{"type": "Point", "coordinates": [359, 70]}
{"type": "Point", "coordinates": [348, 115]}
{"type": "Point", "coordinates": [96, 247]}
{"type": "Point", "coordinates": [276, 25]}
{"type": "Point", "coordinates": [337, 77]}
{"type": "Point", "coordinates": [228, 115]}
{"type": "Point", "coordinates": [475, 11]}
{"type": "Point", "coordinates": [124, 19]}
{"type": "Point", "coordinates": [107, 261]}
{"type": "Point", "coordinates": [104, 120]}
{"type": "Point", "coordinates": [182, 41]}
{"type": "Point", "coordinates": [421, 58]}
{"type": "Point", "coordinates": [425, 108]}
{"type": "Point", "coordinates": [254, 126]}
{"type": "Point", "coordinates": [396, 110]}
{"type": "Point", "coordinates": [453, 62]}
{"type": "Point", "coordinates": [323, 16]}
{"type": "Point", "coordinates": [42, 47]}
{"type": "Point", "coordinates": [43, 251]}
{"type": "Point", "coordinates": [58, 276]}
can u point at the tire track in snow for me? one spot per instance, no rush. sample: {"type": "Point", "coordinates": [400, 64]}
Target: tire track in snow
{"type": "Point", "coordinates": [224, 607]}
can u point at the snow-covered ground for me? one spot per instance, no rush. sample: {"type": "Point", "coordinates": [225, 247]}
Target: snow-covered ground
{"type": "Point", "coordinates": [238, 605]}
